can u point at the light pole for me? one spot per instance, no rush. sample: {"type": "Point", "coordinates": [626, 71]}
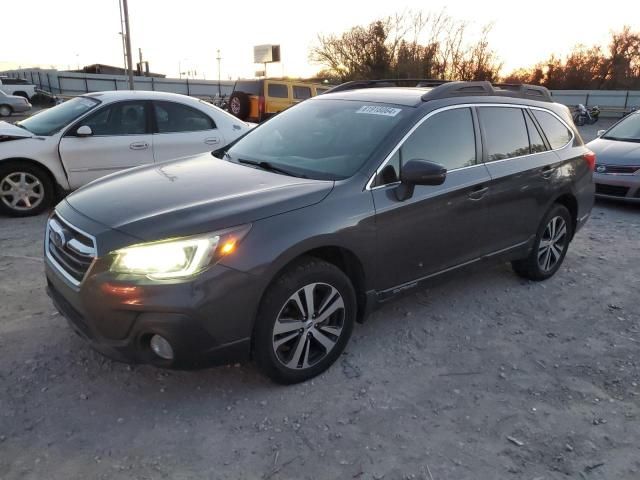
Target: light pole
{"type": "Point", "coordinates": [218, 58]}
{"type": "Point", "coordinates": [121, 32]}
{"type": "Point", "coordinates": [125, 10]}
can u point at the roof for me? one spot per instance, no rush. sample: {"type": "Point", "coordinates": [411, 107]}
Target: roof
{"type": "Point", "coordinates": [414, 96]}
{"type": "Point", "coordinates": [114, 95]}
{"type": "Point", "coordinates": [409, 97]}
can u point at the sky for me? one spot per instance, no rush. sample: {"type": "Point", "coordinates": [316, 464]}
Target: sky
{"type": "Point", "coordinates": [185, 35]}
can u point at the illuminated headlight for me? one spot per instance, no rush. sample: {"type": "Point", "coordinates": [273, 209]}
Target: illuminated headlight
{"type": "Point", "coordinates": [179, 257]}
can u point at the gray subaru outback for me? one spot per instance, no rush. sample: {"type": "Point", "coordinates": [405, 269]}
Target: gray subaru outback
{"type": "Point", "coordinates": [274, 246]}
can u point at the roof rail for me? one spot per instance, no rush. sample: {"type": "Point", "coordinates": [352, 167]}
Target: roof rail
{"type": "Point", "coordinates": [484, 88]}
{"type": "Point", "coordinates": [388, 82]}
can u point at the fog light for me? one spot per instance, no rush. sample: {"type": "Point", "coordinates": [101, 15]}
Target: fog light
{"type": "Point", "coordinates": [161, 347]}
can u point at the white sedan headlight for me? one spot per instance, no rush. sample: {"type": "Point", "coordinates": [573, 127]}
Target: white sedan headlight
{"type": "Point", "coordinates": [177, 258]}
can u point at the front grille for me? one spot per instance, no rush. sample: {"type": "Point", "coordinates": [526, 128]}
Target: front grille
{"type": "Point", "coordinates": [69, 249]}
{"type": "Point", "coordinates": [618, 169]}
{"type": "Point", "coordinates": [613, 190]}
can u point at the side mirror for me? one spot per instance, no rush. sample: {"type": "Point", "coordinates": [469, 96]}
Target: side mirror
{"type": "Point", "coordinates": [419, 172]}
{"type": "Point", "coordinates": [601, 132]}
{"type": "Point", "coordinates": [84, 131]}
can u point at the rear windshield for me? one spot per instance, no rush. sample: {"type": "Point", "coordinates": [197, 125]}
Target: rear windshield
{"type": "Point", "coordinates": [627, 130]}
{"type": "Point", "coordinates": [321, 139]}
{"type": "Point", "coordinates": [251, 87]}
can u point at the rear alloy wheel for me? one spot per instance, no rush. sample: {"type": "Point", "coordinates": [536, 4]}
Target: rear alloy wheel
{"type": "Point", "coordinates": [550, 247]}
{"type": "Point", "coordinates": [24, 190]}
{"type": "Point", "coordinates": [305, 321]}
{"type": "Point", "coordinates": [5, 110]}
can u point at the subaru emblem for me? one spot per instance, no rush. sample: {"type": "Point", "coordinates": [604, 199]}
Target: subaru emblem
{"type": "Point", "coordinates": [601, 169]}
{"type": "Point", "coordinates": [58, 239]}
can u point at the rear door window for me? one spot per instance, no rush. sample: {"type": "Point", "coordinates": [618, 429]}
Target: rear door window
{"type": "Point", "coordinates": [173, 117]}
{"type": "Point", "coordinates": [505, 132]}
{"type": "Point", "coordinates": [556, 132]}
{"type": "Point", "coordinates": [277, 90]}
{"type": "Point", "coordinates": [301, 93]}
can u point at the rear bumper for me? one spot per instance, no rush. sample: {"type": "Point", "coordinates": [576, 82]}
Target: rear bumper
{"type": "Point", "coordinates": [21, 107]}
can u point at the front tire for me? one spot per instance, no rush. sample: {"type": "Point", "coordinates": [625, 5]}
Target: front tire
{"type": "Point", "coordinates": [550, 247]}
{"type": "Point", "coordinates": [304, 322]}
{"type": "Point", "coordinates": [25, 189]}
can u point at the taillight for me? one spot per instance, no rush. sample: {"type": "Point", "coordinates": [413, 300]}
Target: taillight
{"type": "Point", "coordinates": [590, 158]}
{"type": "Point", "coordinates": [260, 106]}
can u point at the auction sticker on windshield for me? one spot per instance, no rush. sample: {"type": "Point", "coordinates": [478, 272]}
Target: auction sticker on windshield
{"type": "Point", "coordinates": [378, 110]}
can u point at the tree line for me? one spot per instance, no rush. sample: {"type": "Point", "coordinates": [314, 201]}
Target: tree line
{"type": "Point", "coordinates": [435, 45]}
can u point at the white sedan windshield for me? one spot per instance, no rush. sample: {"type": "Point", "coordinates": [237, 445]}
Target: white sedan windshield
{"type": "Point", "coordinates": [50, 121]}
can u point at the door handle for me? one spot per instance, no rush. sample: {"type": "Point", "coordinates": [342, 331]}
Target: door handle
{"type": "Point", "coordinates": [212, 141]}
{"type": "Point", "coordinates": [478, 192]}
{"type": "Point", "coordinates": [139, 146]}
{"type": "Point", "coordinates": [547, 171]}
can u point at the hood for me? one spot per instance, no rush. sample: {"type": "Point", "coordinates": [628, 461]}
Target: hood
{"type": "Point", "coordinates": [615, 152]}
{"type": "Point", "coordinates": [11, 132]}
{"type": "Point", "coordinates": [195, 195]}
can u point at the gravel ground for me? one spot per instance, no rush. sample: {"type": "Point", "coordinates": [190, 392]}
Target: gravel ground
{"type": "Point", "coordinates": [481, 375]}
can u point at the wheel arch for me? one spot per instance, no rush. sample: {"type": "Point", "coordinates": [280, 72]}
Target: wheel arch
{"type": "Point", "coordinates": [344, 259]}
{"type": "Point", "coordinates": [35, 163]}
{"type": "Point", "coordinates": [571, 203]}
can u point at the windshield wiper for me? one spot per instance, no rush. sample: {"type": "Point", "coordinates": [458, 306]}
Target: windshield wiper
{"type": "Point", "coordinates": [621, 139]}
{"type": "Point", "coordinates": [270, 167]}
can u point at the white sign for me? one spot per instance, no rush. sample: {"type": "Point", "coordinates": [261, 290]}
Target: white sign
{"type": "Point", "coordinates": [378, 110]}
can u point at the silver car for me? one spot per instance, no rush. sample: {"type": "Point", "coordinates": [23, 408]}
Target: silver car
{"type": "Point", "coordinates": [617, 171]}
{"type": "Point", "coordinates": [12, 104]}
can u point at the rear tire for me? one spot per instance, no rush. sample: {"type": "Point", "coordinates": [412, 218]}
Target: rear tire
{"type": "Point", "coordinates": [25, 189]}
{"type": "Point", "coordinates": [304, 322]}
{"type": "Point", "coordinates": [550, 246]}
{"type": "Point", "coordinates": [5, 111]}
{"type": "Point", "coordinates": [239, 105]}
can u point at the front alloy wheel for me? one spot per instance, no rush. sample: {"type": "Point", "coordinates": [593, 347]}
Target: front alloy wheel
{"type": "Point", "coordinates": [308, 326]}
{"type": "Point", "coordinates": [305, 320]}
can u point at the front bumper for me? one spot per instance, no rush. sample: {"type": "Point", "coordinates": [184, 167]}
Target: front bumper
{"type": "Point", "coordinates": [207, 319]}
{"type": "Point", "coordinates": [618, 187]}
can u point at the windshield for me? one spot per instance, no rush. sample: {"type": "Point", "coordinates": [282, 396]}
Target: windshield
{"type": "Point", "coordinates": [50, 121]}
{"type": "Point", "coordinates": [320, 139]}
{"type": "Point", "coordinates": [627, 130]}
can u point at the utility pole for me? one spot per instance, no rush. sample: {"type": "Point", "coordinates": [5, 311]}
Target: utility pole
{"type": "Point", "coordinates": [121, 32]}
{"type": "Point", "coordinates": [140, 68]}
{"type": "Point", "coordinates": [218, 58]}
{"type": "Point", "coordinates": [125, 9]}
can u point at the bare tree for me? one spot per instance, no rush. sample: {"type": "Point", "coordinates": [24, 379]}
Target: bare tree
{"type": "Point", "coordinates": [410, 44]}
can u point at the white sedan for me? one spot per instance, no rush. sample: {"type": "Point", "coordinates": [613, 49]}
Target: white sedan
{"type": "Point", "coordinates": [63, 148]}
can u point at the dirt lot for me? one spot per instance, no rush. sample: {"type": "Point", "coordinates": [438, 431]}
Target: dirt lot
{"type": "Point", "coordinates": [480, 376]}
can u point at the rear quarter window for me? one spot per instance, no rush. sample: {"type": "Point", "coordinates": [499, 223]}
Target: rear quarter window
{"type": "Point", "coordinates": [277, 90]}
{"type": "Point", "coordinates": [249, 87]}
{"type": "Point", "coordinates": [301, 93]}
{"type": "Point", "coordinates": [556, 132]}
